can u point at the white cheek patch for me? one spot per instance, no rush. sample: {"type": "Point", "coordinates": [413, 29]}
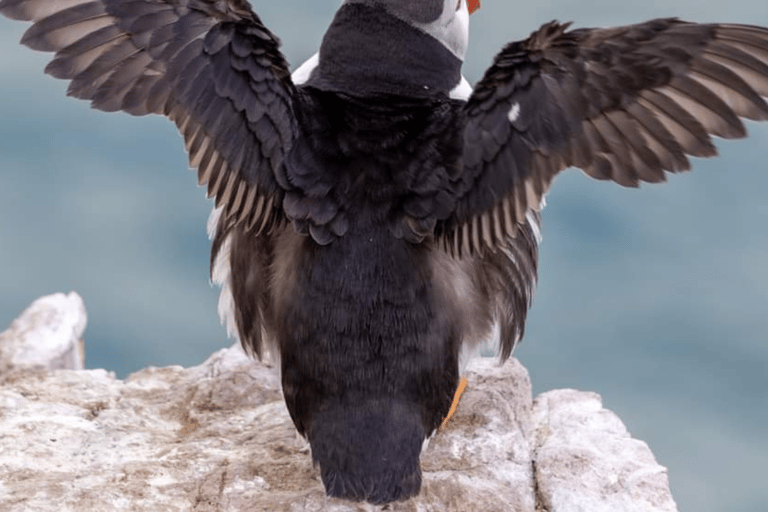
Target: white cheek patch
{"type": "Point", "coordinates": [458, 32]}
{"type": "Point", "coordinates": [514, 112]}
{"type": "Point", "coordinates": [451, 29]}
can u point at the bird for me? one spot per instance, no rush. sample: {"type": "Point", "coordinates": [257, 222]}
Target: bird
{"type": "Point", "coordinates": [376, 219]}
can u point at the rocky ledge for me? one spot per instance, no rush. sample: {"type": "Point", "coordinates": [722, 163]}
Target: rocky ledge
{"type": "Point", "coordinates": [217, 437]}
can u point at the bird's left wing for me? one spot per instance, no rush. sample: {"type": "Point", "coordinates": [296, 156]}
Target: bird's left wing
{"type": "Point", "coordinates": [623, 104]}
{"type": "Point", "coordinates": [210, 66]}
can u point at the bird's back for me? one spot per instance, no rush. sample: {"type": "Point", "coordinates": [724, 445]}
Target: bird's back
{"type": "Point", "coordinates": [356, 296]}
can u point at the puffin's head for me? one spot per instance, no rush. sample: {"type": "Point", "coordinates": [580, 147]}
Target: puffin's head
{"type": "Point", "coordinates": [394, 47]}
{"type": "Point", "coordinates": [445, 20]}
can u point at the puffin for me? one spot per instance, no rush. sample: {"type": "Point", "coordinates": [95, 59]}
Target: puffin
{"type": "Point", "coordinates": [376, 219]}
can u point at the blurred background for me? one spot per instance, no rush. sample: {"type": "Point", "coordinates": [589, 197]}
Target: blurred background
{"type": "Point", "coordinates": [657, 299]}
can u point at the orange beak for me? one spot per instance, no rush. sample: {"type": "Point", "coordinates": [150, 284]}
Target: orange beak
{"type": "Point", "coordinates": [473, 5]}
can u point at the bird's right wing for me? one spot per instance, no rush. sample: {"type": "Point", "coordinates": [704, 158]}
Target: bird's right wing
{"type": "Point", "coordinates": [210, 66]}
{"type": "Point", "coordinates": [624, 104]}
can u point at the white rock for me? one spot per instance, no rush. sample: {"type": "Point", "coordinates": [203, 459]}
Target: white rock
{"type": "Point", "coordinates": [218, 437]}
{"type": "Point", "coordinates": [585, 460]}
{"type": "Point", "coordinates": [48, 334]}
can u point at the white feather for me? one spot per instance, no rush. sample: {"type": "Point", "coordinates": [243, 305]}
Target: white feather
{"type": "Point", "coordinates": [213, 221]}
{"type": "Point", "coordinates": [221, 275]}
{"type": "Point", "coordinates": [462, 91]}
{"type": "Point", "coordinates": [514, 113]}
{"type": "Point", "coordinates": [302, 73]}
{"type": "Point", "coordinates": [491, 343]}
{"type": "Point", "coordinates": [534, 225]}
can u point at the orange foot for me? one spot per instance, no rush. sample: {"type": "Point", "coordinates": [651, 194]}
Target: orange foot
{"type": "Point", "coordinates": [456, 398]}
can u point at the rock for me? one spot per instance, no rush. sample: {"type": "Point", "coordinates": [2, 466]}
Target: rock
{"type": "Point", "coordinates": [48, 334]}
{"type": "Point", "coordinates": [218, 437]}
{"type": "Point", "coordinates": [586, 460]}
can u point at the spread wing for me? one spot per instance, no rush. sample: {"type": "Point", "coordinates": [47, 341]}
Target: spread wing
{"type": "Point", "coordinates": [625, 104]}
{"type": "Point", "coordinates": [209, 66]}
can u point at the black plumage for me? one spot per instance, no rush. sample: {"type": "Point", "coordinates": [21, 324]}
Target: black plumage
{"type": "Point", "coordinates": [372, 225]}
{"type": "Point", "coordinates": [624, 104]}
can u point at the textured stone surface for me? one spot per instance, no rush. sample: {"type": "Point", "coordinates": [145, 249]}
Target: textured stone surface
{"type": "Point", "coordinates": [48, 334]}
{"type": "Point", "coordinates": [218, 437]}
{"type": "Point", "coordinates": [585, 459]}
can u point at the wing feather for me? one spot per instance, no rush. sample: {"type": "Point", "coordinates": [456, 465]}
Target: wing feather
{"type": "Point", "coordinates": [210, 66]}
{"type": "Point", "coordinates": [625, 104]}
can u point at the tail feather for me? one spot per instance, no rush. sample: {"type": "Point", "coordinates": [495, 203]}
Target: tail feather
{"type": "Point", "coordinates": [368, 451]}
